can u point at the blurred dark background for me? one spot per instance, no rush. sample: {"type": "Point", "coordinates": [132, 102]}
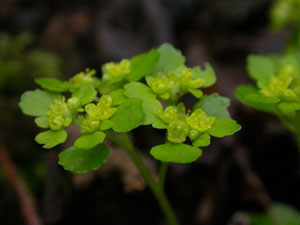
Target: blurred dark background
{"type": "Point", "coordinates": [236, 175]}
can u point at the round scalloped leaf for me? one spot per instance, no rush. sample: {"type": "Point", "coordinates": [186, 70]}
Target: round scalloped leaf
{"type": "Point", "coordinates": [151, 108]}
{"type": "Point", "coordinates": [51, 138]}
{"type": "Point", "coordinates": [224, 127]}
{"type": "Point", "coordinates": [53, 84]}
{"type": "Point", "coordinates": [118, 97]}
{"type": "Point", "coordinates": [176, 153]}
{"type": "Point", "coordinates": [82, 161]}
{"type": "Point", "coordinates": [37, 102]}
{"type": "Point", "coordinates": [202, 141]}
{"type": "Point", "coordinates": [170, 59]}
{"type": "Point", "coordinates": [244, 91]}
{"type": "Point", "coordinates": [289, 106]}
{"type": "Point", "coordinates": [41, 122]}
{"type": "Point", "coordinates": [208, 75]}
{"type": "Point", "coordinates": [128, 116]}
{"type": "Point", "coordinates": [214, 105]}
{"type": "Point", "coordinates": [89, 141]}
{"type": "Point", "coordinates": [142, 65]}
{"type": "Point", "coordinates": [138, 90]}
{"type": "Point", "coordinates": [260, 68]}
{"type": "Point", "coordinates": [85, 94]}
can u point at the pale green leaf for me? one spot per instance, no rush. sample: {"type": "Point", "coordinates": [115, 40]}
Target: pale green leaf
{"type": "Point", "coordinates": [224, 127]}
{"type": "Point", "coordinates": [208, 75]}
{"type": "Point", "coordinates": [176, 153]}
{"type": "Point", "coordinates": [117, 97]}
{"type": "Point", "coordinates": [260, 68]}
{"type": "Point", "coordinates": [151, 108]}
{"type": "Point", "coordinates": [52, 84]}
{"type": "Point", "coordinates": [170, 59]}
{"type": "Point", "coordinates": [142, 65]}
{"type": "Point", "coordinates": [37, 102]}
{"type": "Point", "coordinates": [105, 125]}
{"type": "Point", "coordinates": [41, 122]}
{"type": "Point", "coordinates": [244, 91]}
{"type": "Point", "coordinates": [86, 94]}
{"type": "Point", "coordinates": [128, 116]}
{"type": "Point", "coordinates": [214, 105]}
{"type": "Point", "coordinates": [202, 141]}
{"type": "Point", "coordinates": [196, 92]}
{"type": "Point", "coordinates": [88, 141]}
{"type": "Point", "coordinates": [51, 138]}
{"type": "Point", "coordinates": [138, 90]}
{"type": "Point", "coordinates": [82, 161]}
{"type": "Point", "coordinates": [289, 106]}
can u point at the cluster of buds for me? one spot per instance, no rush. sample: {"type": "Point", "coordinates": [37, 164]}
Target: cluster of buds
{"type": "Point", "coordinates": [97, 113]}
{"type": "Point", "coordinates": [60, 113]}
{"type": "Point", "coordinates": [114, 70]}
{"type": "Point", "coordinates": [170, 84]}
{"type": "Point", "coordinates": [284, 85]}
{"type": "Point", "coordinates": [181, 125]}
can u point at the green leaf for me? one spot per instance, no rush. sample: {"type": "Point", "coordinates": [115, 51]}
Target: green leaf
{"type": "Point", "coordinates": [196, 92]}
{"type": "Point", "coordinates": [85, 94]}
{"type": "Point", "coordinates": [105, 125]}
{"type": "Point", "coordinates": [158, 123]}
{"type": "Point", "coordinates": [51, 138]}
{"type": "Point", "coordinates": [260, 68]}
{"type": "Point", "coordinates": [89, 141]}
{"type": "Point", "coordinates": [142, 65]}
{"type": "Point", "coordinates": [208, 75]}
{"type": "Point", "coordinates": [281, 213]}
{"type": "Point", "coordinates": [261, 98]}
{"type": "Point", "coordinates": [244, 91]}
{"type": "Point", "coordinates": [81, 160]}
{"type": "Point", "coordinates": [176, 153]}
{"type": "Point", "coordinates": [151, 108]}
{"type": "Point", "coordinates": [202, 141]}
{"type": "Point", "coordinates": [117, 97]}
{"type": "Point", "coordinates": [37, 102]}
{"type": "Point", "coordinates": [52, 84]}
{"type": "Point", "coordinates": [214, 105]}
{"type": "Point", "coordinates": [138, 90]}
{"type": "Point", "coordinates": [224, 127]}
{"type": "Point", "coordinates": [41, 122]}
{"type": "Point", "coordinates": [128, 116]}
{"type": "Point", "coordinates": [289, 106]}
{"type": "Point", "coordinates": [170, 59]}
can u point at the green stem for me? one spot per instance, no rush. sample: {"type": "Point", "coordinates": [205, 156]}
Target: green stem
{"type": "Point", "coordinates": [158, 192]}
{"type": "Point", "coordinates": [162, 174]}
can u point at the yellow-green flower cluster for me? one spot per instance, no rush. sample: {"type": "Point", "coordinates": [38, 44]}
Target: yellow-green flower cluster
{"type": "Point", "coordinates": [181, 125]}
{"type": "Point", "coordinates": [84, 77]}
{"type": "Point", "coordinates": [114, 70]}
{"type": "Point", "coordinates": [97, 113]}
{"type": "Point", "coordinates": [284, 85]}
{"type": "Point", "coordinates": [170, 84]}
{"type": "Point", "coordinates": [59, 114]}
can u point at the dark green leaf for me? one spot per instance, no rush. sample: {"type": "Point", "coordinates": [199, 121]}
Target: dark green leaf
{"type": "Point", "coordinates": [289, 106]}
{"type": "Point", "coordinates": [82, 161]}
{"type": "Point", "coordinates": [176, 153]}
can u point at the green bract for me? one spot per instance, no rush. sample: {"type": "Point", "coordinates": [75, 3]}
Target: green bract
{"type": "Point", "coordinates": [143, 90]}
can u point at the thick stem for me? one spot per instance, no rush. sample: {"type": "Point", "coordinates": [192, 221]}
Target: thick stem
{"type": "Point", "coordinates": [158, 192]}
